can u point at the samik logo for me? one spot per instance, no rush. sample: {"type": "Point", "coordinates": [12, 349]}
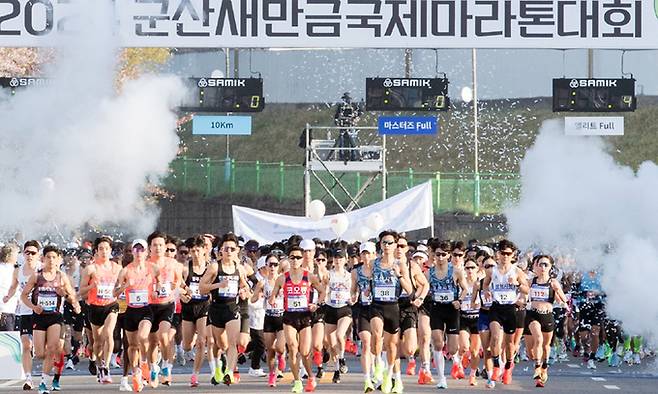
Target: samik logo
{"type": "Point", "coordinates": [14, 82]}
{"type": "Point", "coordinates": [407, 82]}
{"type": "Point", "coordinates": [202, 83]}
{"type": "Point", "coordinates": [593, 83]}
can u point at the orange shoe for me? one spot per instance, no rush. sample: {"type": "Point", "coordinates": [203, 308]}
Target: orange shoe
{"type": "Point", "coordinates": [466, 360]}
{"type": "Point", "coordinates": [317, 358]}
{"type": "Point", "coordinates": [472, 381]}
{"type": "Point", "coordinates": [310, 385]}
{"type": "Point", "coordinates": [507, 376]}
{"type": "Point", "coordinates": [236, 376]}
{"type": "Point", "coordinates": [495, 375]}
{"type": "Point", "coordinates": [454, 372]}
{"type": "Point", "coordinates": [411, 367]}
{"type": "Point", "coordinates": [425, 377]}
{"type": "Point", "coordinates": [146, 372]}
{"type": "Point", "coordinates": [137, 384]}
{"type": "Point", "coordinates": [460, 372]}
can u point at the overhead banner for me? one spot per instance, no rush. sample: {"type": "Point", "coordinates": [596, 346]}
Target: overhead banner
{"type": "Point", "coordinates": [622, 24]}
{"type": "Point", "coordinates": [407, 211]}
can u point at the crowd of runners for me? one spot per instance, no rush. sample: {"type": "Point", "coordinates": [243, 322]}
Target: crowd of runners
{"type": "Point", "coordinates": [440, 310]}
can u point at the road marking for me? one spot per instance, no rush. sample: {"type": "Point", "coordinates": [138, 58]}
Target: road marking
{"type": "Point", "coordinates": [611, 387]}
{"type": "Point", "coordinates": [9, 383]}
{"type": "Point", "coordinates": [596, 379]}
{"type": "Point", "coordinates": [573, 365]}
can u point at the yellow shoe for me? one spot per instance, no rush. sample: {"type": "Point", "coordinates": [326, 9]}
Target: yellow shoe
{"type": "Point", "coordinates": [297, 387]}
{"type": "Point", "coordinates": [387, 384]}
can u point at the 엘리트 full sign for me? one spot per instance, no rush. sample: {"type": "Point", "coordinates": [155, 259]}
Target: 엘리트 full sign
{"type": "Point", "coordinates": [629, 24]}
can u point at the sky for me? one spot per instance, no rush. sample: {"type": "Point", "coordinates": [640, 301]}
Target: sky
{"type": "Point", "coordinates": [323, 75]}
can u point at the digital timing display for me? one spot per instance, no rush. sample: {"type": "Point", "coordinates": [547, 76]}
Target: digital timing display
{"type": "Point", "coordinates": [407, 94]}
{"type": "Point", "coordinates": [224, 95]}
{"type": "Point", "coordinates": [594, 95]}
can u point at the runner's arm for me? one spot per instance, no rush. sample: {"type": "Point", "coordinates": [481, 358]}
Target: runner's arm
{"type": "Point", "coordinates": [205, 284]}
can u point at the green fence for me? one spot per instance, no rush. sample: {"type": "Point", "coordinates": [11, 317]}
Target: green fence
{"type": "Point", "coordinates": [285, 182]}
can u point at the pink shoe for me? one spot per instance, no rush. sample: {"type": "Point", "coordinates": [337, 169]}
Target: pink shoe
{"type": "Point", "coordinates": [194, 382]}
{"type": "Point", "coordinates": [282, 362]}
{"type": "Point", "coordinates": [271, 381]}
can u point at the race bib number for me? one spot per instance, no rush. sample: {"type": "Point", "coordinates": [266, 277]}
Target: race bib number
{"type": "Point", "coordinates": [339, 297]}
{"type": "Point", "coordinates": [444, 296]}
{"type": "Point", "coordinates": [366, 297]}
{"type": "Point", "coordinates": [48, 302]}
{"type": "Point", "coordinates": [539, 294]}
{"type": "Point", "coordinates": [165, 290]}
{"type": "Point", "coordinates": [505, 296]}
{"type": "Point", "coordinates": [466, 305]}
{"type": "Point", "coordinates": [230, 291]}
{"type": "Point", "coordinates": [195, 292]}
{"type": "Point", "coordinates": [138, 298]}
{"type": "Point", "coordinates": [297, 303]}
{"type": "Point", "coordinates": [104, 292]}
{"type": "Point", "coordinates": [385, 293]}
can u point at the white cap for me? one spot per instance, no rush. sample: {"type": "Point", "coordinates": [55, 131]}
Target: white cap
{"type": "Point", "coordinates": [421, 248]}
{"type": "Point", "coordinates": [260, 263]}
{"type": "Point", "coordinates": [420, 253]}
{"type": "Point", "coordinates": [140, 242]}
{"type": "Point", "coordinates": [368, 246]}
{"type": "Point", "coordinates": [307, 244]}
{"type": "Point", "coordinates": [487, 250]}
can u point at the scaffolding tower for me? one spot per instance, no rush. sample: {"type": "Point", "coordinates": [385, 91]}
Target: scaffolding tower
{"type": "Point", "coordinates": [327, 155]}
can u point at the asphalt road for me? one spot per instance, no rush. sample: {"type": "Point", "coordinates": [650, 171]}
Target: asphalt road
{"type": "Point", "coordinates": [565, 377]}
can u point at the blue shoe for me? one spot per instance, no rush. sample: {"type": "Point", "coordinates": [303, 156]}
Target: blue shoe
{"type": "Point", "coordinates": [43, 389]}
{"type": "Point", "coordinates": [166, 378]}
{"type": "Point", "coordinates": [56, 386]}
{"type": "Point", "coordinates": [154, 377]}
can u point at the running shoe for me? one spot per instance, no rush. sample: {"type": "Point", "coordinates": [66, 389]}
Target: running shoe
{"type": "Point", "coordinates": [425, 377]}
{"type": "Point", "coordinates": [56, 386]}
{"type": "Point", "coordinates": [154, 377]}
{"type": "Point", "coordinates": [343, 365]}
{"type": "Point", "coordinates": [318, 375]}
{"type": "Point", "coordinates": [310, 385]}
{"type": "Point", "coordinates": [258, 373]}
{"type": "Point", "coordinates": [507, 374]}
{"type": "Point", "coordinates": [194, 381]}
{"type": "Point", "coordinates": [466, 360]}
{"type": "Point", "coordinates": [495, 375]}
{"type": "Point", "coordinates": [297, 387]}
{"type": "Point", "coordinates": [124, 386]}
{"type": "Point", "coordinates": [378, 372]}
{"type": "Point", "coordinates": [544, 375]}
{"type": "Point", "coordinates": [229, 379]}
{"type": "Point", "coordinates": [411, 367]}
{"type": "Point", "coordinates": [271, 380]}
{"type": "Point", "coordinates": [637, 360]}
{"type": "Point", "coordinates": [69, 364]}
{"type": "Point", "coordinates": [137, 383]}
{"type": "Point", "coordinates": [180, 357]}
{"type": "Point", "coordinates": [43, 389]}
{"type": "Point", "coordinates": [398, 388]}
{"type": "Point", "coordinates": [368, 386]}
{"type": "Point", "coordinates": [336, 378]}
{"type": "Point", "coordinates": [539, 383]}
{"type": "Point", "coordinates": [317, 358]}
{"type": "Point", "coordinates": [387, 383]}
{"type": "Point", "coordinates": [106, 378]}
{"type": "Point", "coordinates": [282, 362]}
{"type": "Point", "coordinates": [28, 385]}
{"type": "Point", "coordinates": [166, 376]}
{"type": "Point", "coordinates": [614, 360]}
{"type": "Point", "coordinates": [93, 370]}
{"type": "Point", "coordinates": [590, 364]}
{"type": "Point", "coordinates": [219, 373]}
{"type": "Point", "coordinates": [443, 383]}
{"type": "Point", "coordinates": [491, 383]}
{"type": "Point", "coordinates": [472, 380]}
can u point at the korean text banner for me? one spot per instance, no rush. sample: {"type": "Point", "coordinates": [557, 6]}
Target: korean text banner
{"type": "Point", "coordinates": [407, 211]}
{"type": "Point", "coordinates": [622, 24]}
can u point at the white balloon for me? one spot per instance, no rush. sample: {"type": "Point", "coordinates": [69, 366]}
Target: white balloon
{"type": "Point", "coordinates": [316, 210]}
{"type": "Point", "coordinates": [339, 224]}
{"type": "Point", "coordinates": [47, 185]}
{"type": "Point", "coordinates": [375, 221]}
{"type": "Point", "coordinates": [364, 233]}
{"type": "Point", "coordinates": [467, 94]}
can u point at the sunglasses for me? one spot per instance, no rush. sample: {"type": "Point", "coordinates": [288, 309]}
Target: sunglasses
{"type": "Point", "coordinates": [441, 254]}
{"type": "Point", "coordinates": [30, 252]}
{"type": "Point", "coordinates": [506, 253]}
{"type": "Point", "coordinates": [295, 257]}
{"type": "Point", "coordinates": [470, 268]}
{"type": "Point", "coordinates": [229, 249]}
{"type": "Point", "coordinates": [402, 246]}
{"type": "Point", "coordinates": [171, 250]}
{"type": "Point", "coordinates": [544, 265]}
{"type": "Point", "coordinates": [320, 259]}
{"type": "Point", "coordinates": [388, 242]}
{"type": "Point", "coordinates": [489, 266]}
{"type": "Point", "coordinates": [184, 251]}
{"type": "Point", "coordinates": [458, 254]}
{"type": "Point", "coordinates": [273, 264]}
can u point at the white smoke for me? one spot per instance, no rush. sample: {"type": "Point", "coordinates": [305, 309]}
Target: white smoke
{"type": "Point", "coordinates": [78, 152]}
{"type": "Point", "coordinates": [576, 198]}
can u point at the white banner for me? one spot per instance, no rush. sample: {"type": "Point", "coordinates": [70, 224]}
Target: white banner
{"type": "Point", "coordinates": [10, 355]}
{"type": "Point", "coordinates": [407, 211]}
{"type": "Point", "coordinates": [622, 24]}
{"type": "Point", "coordinates": [594, 125]}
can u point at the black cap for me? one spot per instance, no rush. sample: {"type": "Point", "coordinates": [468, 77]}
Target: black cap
{"type": "Point", "coordinates": [338, 253]}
